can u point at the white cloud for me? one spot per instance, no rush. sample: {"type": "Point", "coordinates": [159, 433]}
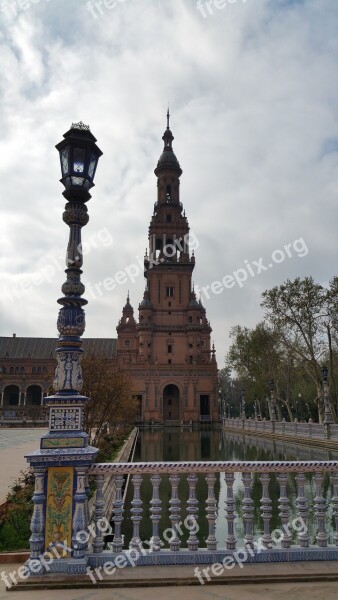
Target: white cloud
{"type": "Point", "coordinates": [253, 98]}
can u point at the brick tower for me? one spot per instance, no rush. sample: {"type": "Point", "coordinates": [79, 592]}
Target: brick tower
{"type": "Point", "coordinates": [168, 352]}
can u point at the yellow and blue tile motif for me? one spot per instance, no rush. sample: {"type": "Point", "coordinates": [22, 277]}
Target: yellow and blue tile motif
{"type": "Point", "coordinates": [59, 509]}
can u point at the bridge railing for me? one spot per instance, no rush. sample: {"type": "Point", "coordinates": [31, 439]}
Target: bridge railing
{"type": "Point", "coordinates": [249, 522]}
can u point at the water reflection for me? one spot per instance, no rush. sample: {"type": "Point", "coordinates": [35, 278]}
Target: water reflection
{"type": "Point", "coordinates": [181, 445]}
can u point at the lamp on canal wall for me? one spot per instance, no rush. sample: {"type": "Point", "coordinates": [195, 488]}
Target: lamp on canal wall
{"type": "Point", "coordinates": [273, 415]}
{"type": "Point", "coordinates": [327, 408]}
{"type": "Point", "coordinates": [243, 416]}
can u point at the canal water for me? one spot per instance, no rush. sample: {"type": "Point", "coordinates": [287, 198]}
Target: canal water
{"type": "Point", "coordinates": [180, 445]}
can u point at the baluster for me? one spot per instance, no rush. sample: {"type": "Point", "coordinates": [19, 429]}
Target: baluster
{"type": "Point", "coordinates": [303, 512]}
{"type": "Point", "coordinates": [266, 509]}
{"type": "Point", "coordinates": [136, 511]}
{"type": "Point", "coordinates": [248, 510]}
{"type": "Point", "coordinates": [230, 539]}
{"type": "Point", "coordinates": [192, 510]}
{"type": "Point", "coordinates": [320, 511]}
{"type": "Point", "coordinates": [118, 514]}
{"type": "Point", "coordinates": [87, 502]}
{"type": "Point", "coordinates": [37, 538]}
{"type": "Point", "coordinates": [98, 543]}
{"type": "Point", "coordinates": [284, 510]}
{"type": "Point", "coordinates": [211, 511]}
{"type": "Point", "coordinates": [334, 481]}
{"type": "Point", "coordinates": [79, 524]}
{"type": "Point", "coordinates": [174, 510]}
{"type": "Point", "coordinates": [155, 512]}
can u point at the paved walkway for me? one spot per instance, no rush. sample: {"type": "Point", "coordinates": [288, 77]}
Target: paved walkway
{"type": "Point", "coordinates": [155, 579]}
{"type": "Point", "coordinates": [14, 444]}
{"type": "Point", "coordinates": [278, 591]}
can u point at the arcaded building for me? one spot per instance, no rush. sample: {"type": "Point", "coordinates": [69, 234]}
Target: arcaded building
{"type": "Point", "coordinates": [166, 349]}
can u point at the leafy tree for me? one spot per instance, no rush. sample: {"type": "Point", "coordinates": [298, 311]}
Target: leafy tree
{"type": "Point", "coordinates": [256, 355]}
{"type": "Point", "coordinates": [15, 514]}
{"type": "Point", "coordinates": [112, 400]}
{"type": "Point", "coordinates": [300, 311]}
{"type": "Point", "coordinates": [229, 392]}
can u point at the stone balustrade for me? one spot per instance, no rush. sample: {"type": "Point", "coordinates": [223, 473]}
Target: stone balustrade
{"type": "Point", "coordinates": [309, 431]}
{"type": "Point", "coordinates": [313, 506]}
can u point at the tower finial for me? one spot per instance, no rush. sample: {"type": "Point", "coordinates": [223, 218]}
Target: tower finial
{"type": "Point", "coordinates": [168, 117]}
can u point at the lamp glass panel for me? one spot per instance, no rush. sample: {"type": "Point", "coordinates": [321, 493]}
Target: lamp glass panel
{"type": "Point", "coordinates": [65, 161]}
{"type": "Point", "coordinates": [77, 180]}
{"type": "Point", "coordinates": [79, 158]}
{"type": "Point", "coordinates": [92, 165]}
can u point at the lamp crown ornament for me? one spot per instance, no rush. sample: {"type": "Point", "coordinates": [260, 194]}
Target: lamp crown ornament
{"type": "Point", "coordinates": [80, 125]}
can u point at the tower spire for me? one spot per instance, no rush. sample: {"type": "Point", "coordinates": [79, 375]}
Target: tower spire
{"type": "Point", "coordinates": [168, 159]}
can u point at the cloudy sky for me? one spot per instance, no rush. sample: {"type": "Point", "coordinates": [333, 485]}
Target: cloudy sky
{"type": "Point", "coordinates": [253, 94]}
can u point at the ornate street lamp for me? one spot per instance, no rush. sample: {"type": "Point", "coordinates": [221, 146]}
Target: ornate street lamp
{"type": "Point", "coordinates": [273, 415]}
{"type": "Point", "coordinates": [327, 409]}
{"type": "Point", "coordinates": [65, 453]}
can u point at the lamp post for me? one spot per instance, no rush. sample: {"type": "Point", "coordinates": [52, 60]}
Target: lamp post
{"type": "Point", "coordinates": [299, 407]}
{"type": "Point", "coordinates": [308, 410]}
{"type": "Point", "coordinates": [327, 409]}
{"type": "Point", "coordinates": [273, 415]}
{"type": "Point", "coordinates": [65, 454]}
{"type": "Point", "coordinates": [243, 416]}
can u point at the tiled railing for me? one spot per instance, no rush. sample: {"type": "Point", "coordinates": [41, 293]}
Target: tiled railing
{"type": "Point", "coordinates": [314, 508]}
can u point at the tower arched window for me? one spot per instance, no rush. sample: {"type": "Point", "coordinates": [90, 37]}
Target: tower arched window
{"type": "Point", "coordinates": [190, 319]}
{"type": "Point", "coordinates": [170, 349]}
{"type": "Point", "coordinates": [158, 247]}
{"type": "Point", "coordinates": [168, 193]}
